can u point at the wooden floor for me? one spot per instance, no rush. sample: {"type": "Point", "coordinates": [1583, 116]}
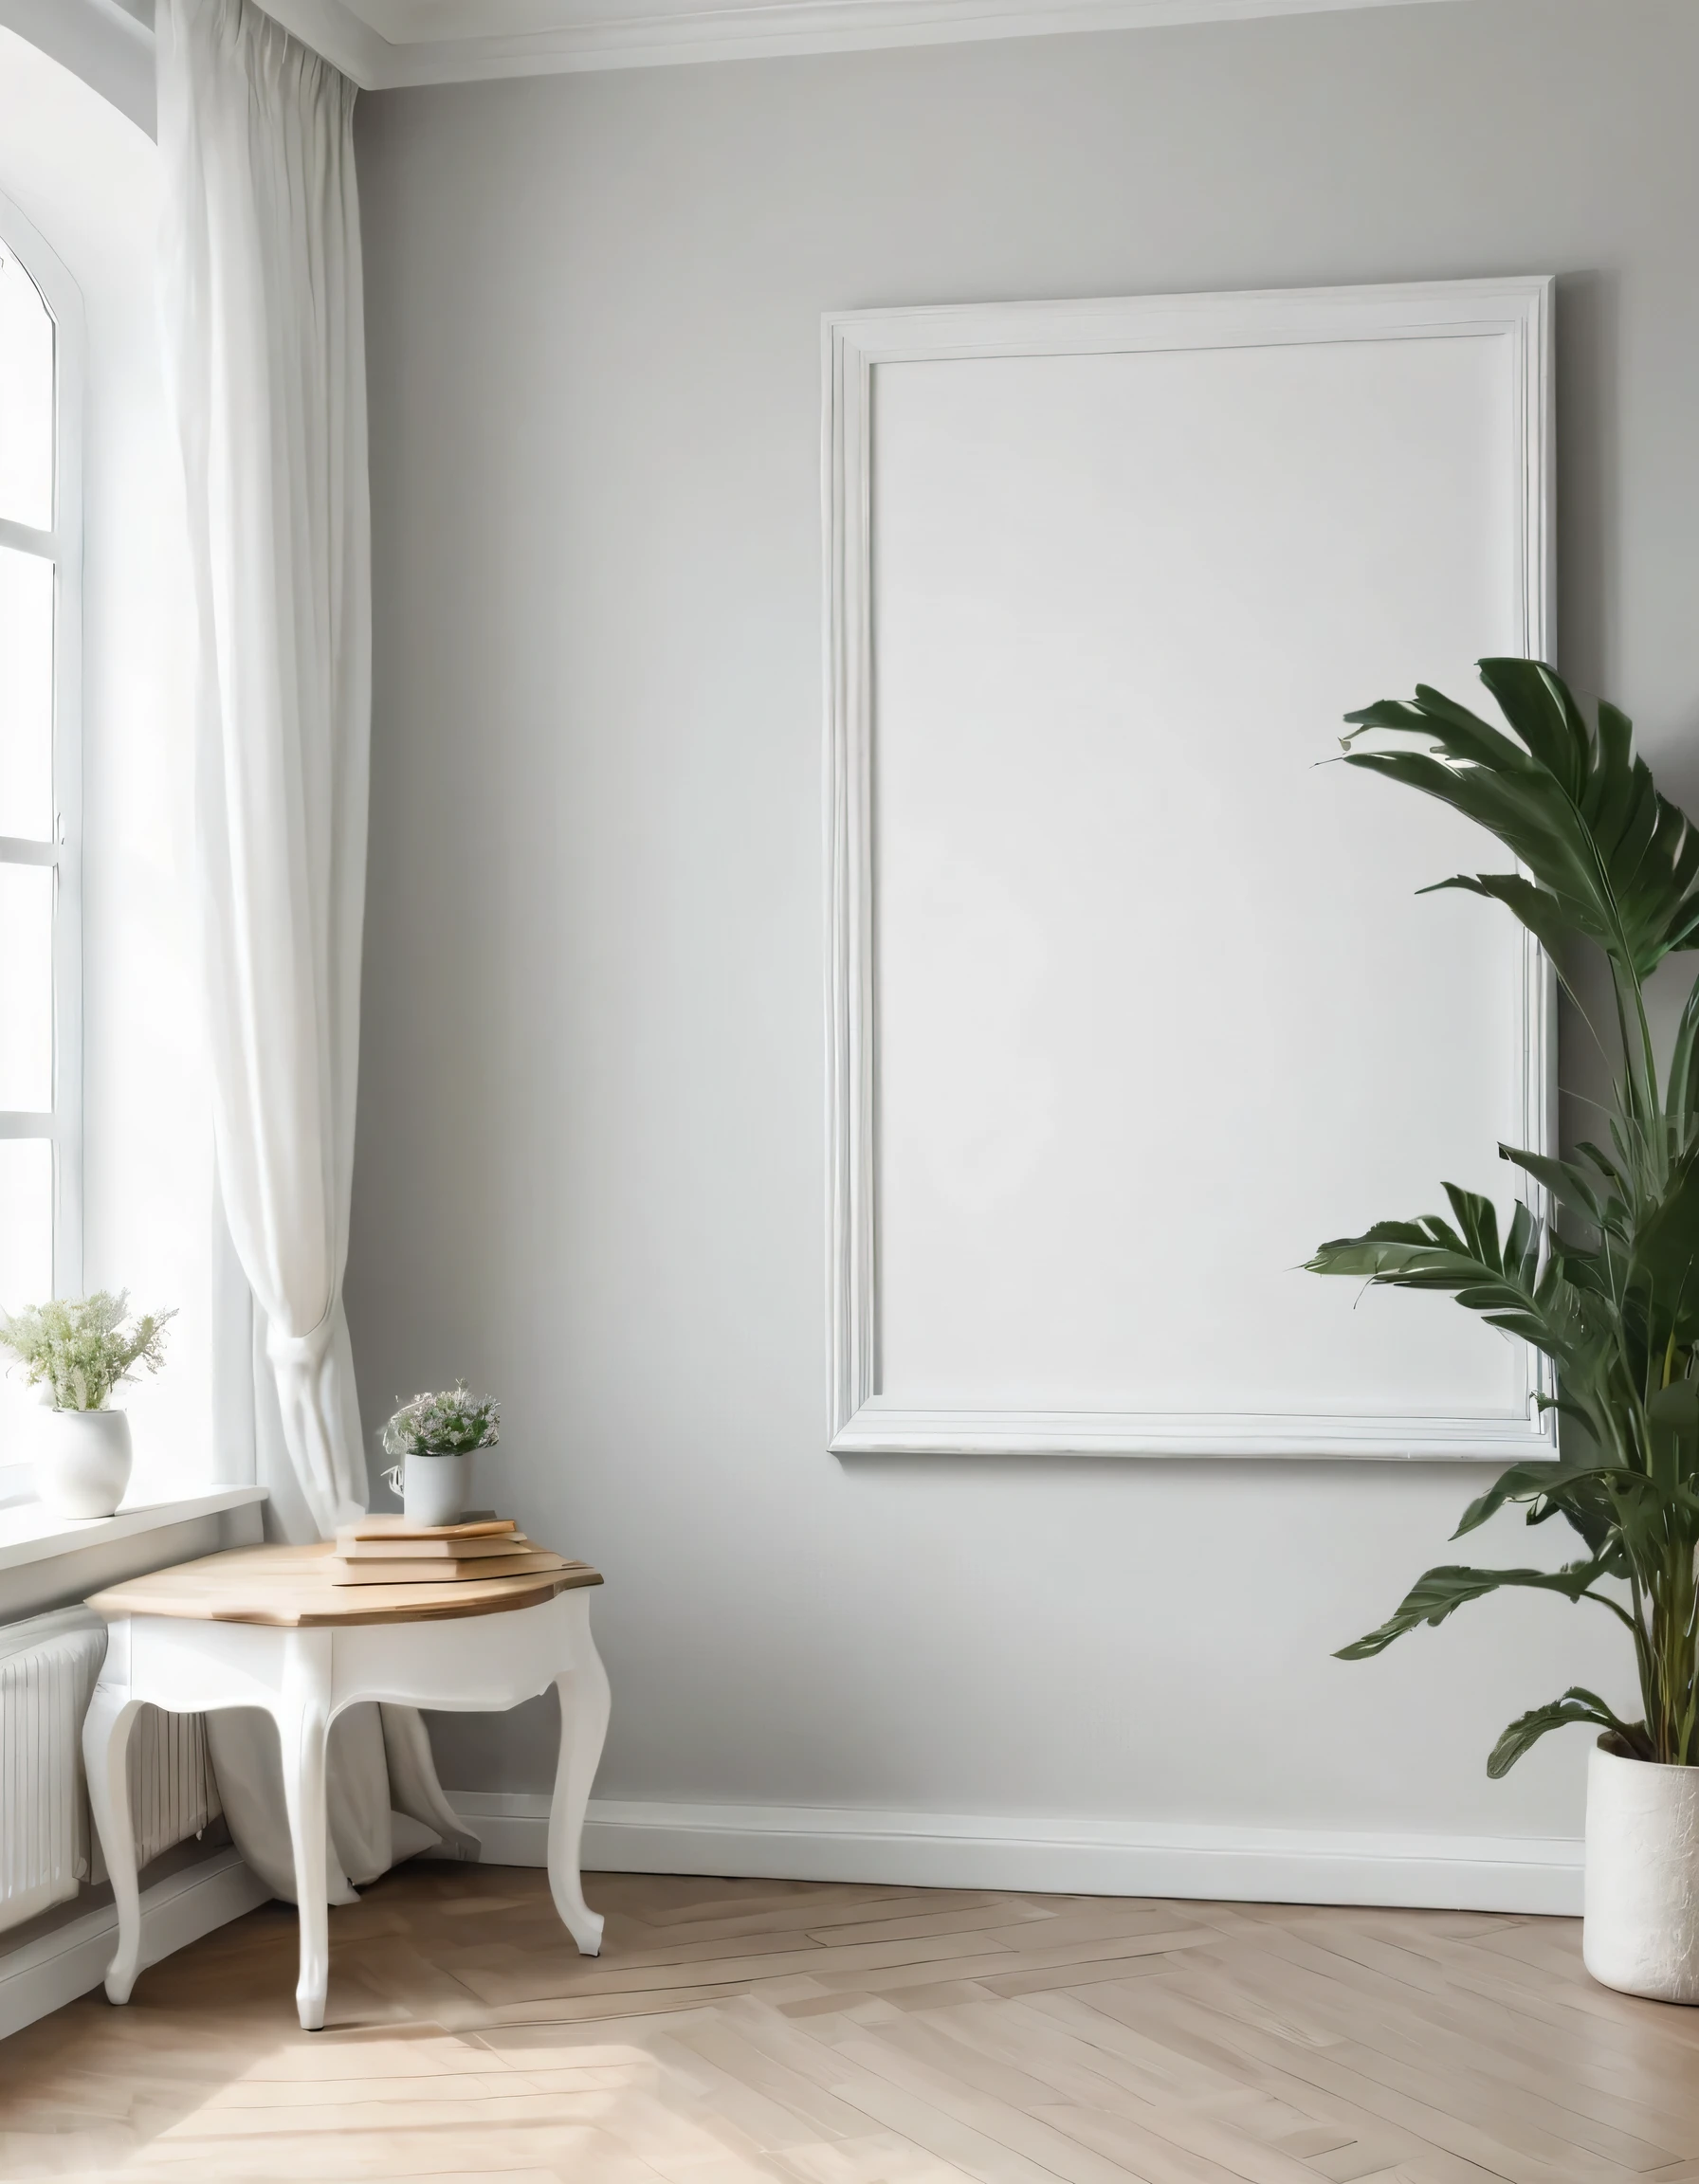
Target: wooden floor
{"type": "Point", "coordinates": [743, 2030]}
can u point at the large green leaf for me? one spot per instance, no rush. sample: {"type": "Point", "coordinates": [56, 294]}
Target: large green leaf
{"type": "Point", "coordinates": [1576, 1488]}
{"type": "Point", "coordinates": [1438, 1594]}
{"type": "Point", "coordinates": [1609, 1505]}
{"type": "Point", "coordinates": [1575, 1706]}
{"type": "Point", "coordinates": [1571, 1186]}
{"type": "Point", "coordinates": [1504, 1282]}
{"type": "Point", "coordinates": [1682, 1103]}
{"type": "Point", "coordinates": [1663, 1265]}
{"type": "Point", "coordinates": [1673, 1433]}
{"type": "Point", "coordinates": [1606, 856]}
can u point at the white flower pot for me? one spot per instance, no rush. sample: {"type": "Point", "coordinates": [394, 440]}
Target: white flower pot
{"type": "Point", "coordinates": [1641, 1932]}
{"type": "Point", "coordinates": [82, 1461]}
{"type": "Point", "coordinates": [435, 1489]}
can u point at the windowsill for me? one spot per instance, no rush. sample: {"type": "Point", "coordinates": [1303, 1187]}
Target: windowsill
{"type": "Point", "coordinates": [29, 1533]}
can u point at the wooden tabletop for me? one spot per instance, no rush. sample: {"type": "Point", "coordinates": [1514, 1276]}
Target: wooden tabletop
{"type": "Point", "coordinates": [290, 1585]}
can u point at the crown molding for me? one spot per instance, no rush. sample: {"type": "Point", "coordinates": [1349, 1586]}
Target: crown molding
{"type": "Point", "coordinates": [109, 43]}
{"type": "Point", "coordinates": [589, 36]}
{"type": "Point", "coordinates": [346, 39]}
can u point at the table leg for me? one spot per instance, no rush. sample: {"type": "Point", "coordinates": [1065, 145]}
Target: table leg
{"type": "Point", "coordinates": [303, 1730]}
{"type": "Point", "coordinates": [105, 1748]}
{"type": "Point", "coordinates": [584, 1701]}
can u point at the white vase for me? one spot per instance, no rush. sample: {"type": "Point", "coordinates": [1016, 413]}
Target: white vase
{"type": "Point", "coordinates": [435, 1489]}
{"type": "Point", "coordinates": [82, 1461]}
{"type": "Point", "coordinates": [1641, 1932]}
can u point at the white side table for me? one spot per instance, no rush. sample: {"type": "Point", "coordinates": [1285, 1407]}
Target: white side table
{"type": "Point", "coordinates": [265, 1627]}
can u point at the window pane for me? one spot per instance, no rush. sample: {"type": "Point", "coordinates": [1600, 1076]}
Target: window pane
{"type": "Point", "coordinates": [25, 399]}
{"type": "Point", "coordinates": [27, 988]}
{"type": "Point", "coordinates": [25, 1278]}
{"type": "Point", "coordinates": [26, 1222]}
{"type": "Point", "coordinates": [26, 696]}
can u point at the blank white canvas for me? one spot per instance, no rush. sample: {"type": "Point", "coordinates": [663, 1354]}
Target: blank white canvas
{"type": "Point", "coordinates": [1157, 1006]}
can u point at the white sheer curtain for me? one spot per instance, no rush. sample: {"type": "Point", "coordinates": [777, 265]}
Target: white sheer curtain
{"type": "Point", "coordinates": [265, 353]}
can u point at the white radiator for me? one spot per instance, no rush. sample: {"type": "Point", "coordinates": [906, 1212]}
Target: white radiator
{"type": "Point", "coordinates": [172, 1793]}
{"type": "Point", "coordinates": [48, 1669]}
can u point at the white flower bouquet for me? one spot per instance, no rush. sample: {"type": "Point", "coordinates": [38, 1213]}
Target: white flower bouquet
{"type": "Point", "coordinates": [81, 1348]}
{"type": "Point", "coordinates": [450, 1424]}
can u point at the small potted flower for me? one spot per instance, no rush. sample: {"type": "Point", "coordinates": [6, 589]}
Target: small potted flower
{"type": "Point", "coordinates": [76, 1351]}
{"type": "Point", "coordinates": [435, 1437]}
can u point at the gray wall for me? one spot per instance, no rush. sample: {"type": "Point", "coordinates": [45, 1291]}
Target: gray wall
{"type": "Point", "coordinates": [590, 1156]}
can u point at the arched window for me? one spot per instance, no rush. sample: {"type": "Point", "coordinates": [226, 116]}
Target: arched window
{"type": "Point", "coordinates": [41, 568]}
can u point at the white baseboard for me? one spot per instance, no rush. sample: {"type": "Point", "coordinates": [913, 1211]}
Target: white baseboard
{"type": "Point", "coordinates": [45, 1973]}
{"type": "Point", "coordinates": [912, 1849]}
{"type": "Point", "coordinates": [1064, 1857]}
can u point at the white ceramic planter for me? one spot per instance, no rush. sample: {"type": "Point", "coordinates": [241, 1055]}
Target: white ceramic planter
{"type": "Point", "coordinates": [1641, 1932]}
{"type": "Point", "coordinates": [82, 1461]}
{"type": "Point", "coordinates": [435, 1489]}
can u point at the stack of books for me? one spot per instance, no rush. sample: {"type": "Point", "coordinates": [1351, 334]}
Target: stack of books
{"type": "Point", "coordinates": [390, 1550]}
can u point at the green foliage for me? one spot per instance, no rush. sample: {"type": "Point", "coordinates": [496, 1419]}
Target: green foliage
{"type": "Point", "coordinates": [451, 1424]}
{"type": "Point", "coordinates": [1439, 1593]}
{"type": "Point", "coordinates": [1607, 1286]}
{"type": "Point", "coordinates": [1575, 1706]}
{"type": "Point", "coordinates": [80, 1348]}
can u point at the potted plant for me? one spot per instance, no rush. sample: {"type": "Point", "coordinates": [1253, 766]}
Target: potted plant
{"type": "Point", "coordinates": [1604, 1280]}
{"type": "Point", "coordinates": [436, 1437]}
{"type": "Point", "coordinates": [76, 1351]}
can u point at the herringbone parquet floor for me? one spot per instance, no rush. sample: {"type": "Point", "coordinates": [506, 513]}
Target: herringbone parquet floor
{"type": "Point", "coordinates": [741, 2031]}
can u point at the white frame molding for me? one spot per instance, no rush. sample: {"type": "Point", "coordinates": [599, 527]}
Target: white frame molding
{"type": "Point", "coordinates": [856, 344]}
{"type": "Point", "coordinates": [62, 546]}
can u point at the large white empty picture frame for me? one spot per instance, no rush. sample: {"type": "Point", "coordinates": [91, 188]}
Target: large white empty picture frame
{"type": "Point", "coordinates": [1132, 1000]}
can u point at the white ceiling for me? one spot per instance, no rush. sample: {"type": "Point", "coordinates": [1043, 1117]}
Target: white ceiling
{"type": "Point", "coordinates": [382, 42]}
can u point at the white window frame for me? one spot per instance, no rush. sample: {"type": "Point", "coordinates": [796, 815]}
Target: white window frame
{"type": "Point", "coordinates": [62, 546]}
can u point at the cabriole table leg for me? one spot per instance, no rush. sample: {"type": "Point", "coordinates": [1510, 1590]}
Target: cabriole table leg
{"type": "Point", "coordinates": [584, 1706]}
{"type": "Point", "coordinates": [105, 1747]}
{"type": "Point", "coordinates": [303, 1731]}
